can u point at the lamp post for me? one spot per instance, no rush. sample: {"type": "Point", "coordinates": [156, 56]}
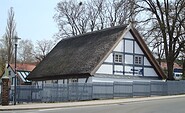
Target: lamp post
{"type": "Point", "coordinates": [15, 79]}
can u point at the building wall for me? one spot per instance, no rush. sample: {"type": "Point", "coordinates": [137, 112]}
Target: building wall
{"type": "Point", "coordinates": [11, 75]}
{"type": "Point", "coordinates": [127, 58]}
{"type": "Point", "coordinates": [126, 70]}
{"type": "Point", "coordinates": [64, 81]}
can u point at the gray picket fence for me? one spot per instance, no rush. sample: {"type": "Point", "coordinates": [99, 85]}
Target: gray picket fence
{"type": "Point", "coordinates": [90, 91]}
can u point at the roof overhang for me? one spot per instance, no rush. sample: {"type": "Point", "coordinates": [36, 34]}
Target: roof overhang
{"type": "Point", "coordinates": [57, 77]}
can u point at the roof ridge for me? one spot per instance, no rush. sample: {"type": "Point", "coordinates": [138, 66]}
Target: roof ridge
{"type": "Point", "coordinates": [94, 32]}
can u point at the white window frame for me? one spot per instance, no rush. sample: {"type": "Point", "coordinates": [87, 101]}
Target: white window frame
{"type": "Point", "coordinates": [55, 81]}
{"type": "Point", "coordinates": [74, 80]}
{"type": "Point", "coordinates": [118, 58]}
{"type": "Point", "coordinates": [138, 59]}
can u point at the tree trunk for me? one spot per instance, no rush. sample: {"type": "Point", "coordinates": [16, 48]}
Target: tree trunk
{"type": "Point", "coordinates": [183, 71]}
{"type": "Point", "coordinates": [170, 70]}
{"type": "Point", "coordinates": [159, 59]}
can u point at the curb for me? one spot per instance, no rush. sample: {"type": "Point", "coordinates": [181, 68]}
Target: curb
{"type": "Point", "coordinates": [82, 103]}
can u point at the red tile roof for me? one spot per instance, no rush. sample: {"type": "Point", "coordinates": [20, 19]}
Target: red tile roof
{"type": "Point", "coordinates": [23, 67]}
{"type": "Point", "coordinates": [164, 65]}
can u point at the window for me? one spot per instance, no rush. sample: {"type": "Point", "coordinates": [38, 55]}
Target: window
{"type": "Point", "coordinates": [54, 81]}
{"type": "Point", "coordinates": [12, 82]}
{"type": "Point", "coordinates": [74, 80]}
{"type": "Point", "coordinates": [9, 72]}
{"type": "Point", "coordinates": [118, 58]}
{"type": "Point", "coordinates": [138, 60]}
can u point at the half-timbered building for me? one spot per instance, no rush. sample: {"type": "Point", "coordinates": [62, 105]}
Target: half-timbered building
{"type": "Point", "coordinates": [113, 54]}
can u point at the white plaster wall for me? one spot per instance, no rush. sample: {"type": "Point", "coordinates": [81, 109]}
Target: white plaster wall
{"type": "Point", "coordinates": [146, 62]}
{"type": "Point", "coordinates": [129, 46]}
{"type": "Point", "coordinates": [96, 79]}
{"type": "Point", "coordinates": [128, 35]}
{"type": "Point", "coordinates": [138, 68]}
{"type": "Point", "coordinates": [65, 81]}
{"type": "Point", "coordinates": [111, 80]}
{"type": "Point", "coordinates": [128, 59]}
{"type": "Point", "coordinates": [119, 47]}
{"type": "Point", "coordinates": [83, 80]}
{"type": "Point", "coordinates": [105, 68]}
{"type": "Point", "coordinates": [137, 72]}
{"type": "Point", "coordinates": [39, 83]}
{"type": "Point", "coordinates": [48, 81]}
{"type": "Point", "coordinates": [80, 80]}
{"type": "Point", "coordinates": [109, 58]}
{"type": "Point", "coordinates": [12, 75]}
{"type": "Point", "coordinates": [61, 81]}
{"type": "Point", "coordinates": [138, 49]}
{"type": "Point", "coordinates": [128, 70]}
{"type": "Point", "coordinates": [150, 72]}
{"type": "Point", "coordinates": [118, 68]}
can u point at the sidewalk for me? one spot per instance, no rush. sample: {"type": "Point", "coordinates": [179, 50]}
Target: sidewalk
{"type": "Point", "coordinates": [32, 106]}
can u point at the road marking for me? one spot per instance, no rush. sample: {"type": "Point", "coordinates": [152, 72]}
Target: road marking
{"type": "Point", "coordinates": [75, 107]}
{"type": "Point", "coordinates": [49, 109]}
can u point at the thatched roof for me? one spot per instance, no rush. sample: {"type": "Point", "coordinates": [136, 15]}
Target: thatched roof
{"type": "Point", "coordinates": [79, 56]}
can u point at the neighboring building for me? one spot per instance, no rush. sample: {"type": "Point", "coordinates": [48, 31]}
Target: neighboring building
{"type": "Point", "coordinates": [113, 54]}
{"type": "Point", "coordinates": [177, 71]}
{"type": "Point", "coordinates": [175, 66]}
{"type": "Point", "coordinates": [22, 72]}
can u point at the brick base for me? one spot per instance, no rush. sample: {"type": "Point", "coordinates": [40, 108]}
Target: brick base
{"type": "Point", "coordinates": [5, 92]}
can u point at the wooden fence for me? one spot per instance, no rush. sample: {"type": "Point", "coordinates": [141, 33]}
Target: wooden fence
{"type": "Point", "coordinates": [90, 91]}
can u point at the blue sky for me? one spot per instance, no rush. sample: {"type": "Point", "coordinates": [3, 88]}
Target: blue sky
{"type": "Point", "coordinates": [34, 18]}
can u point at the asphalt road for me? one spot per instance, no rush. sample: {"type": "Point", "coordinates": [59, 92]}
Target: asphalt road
{"type": "Point", "coordinates": [173, 105]}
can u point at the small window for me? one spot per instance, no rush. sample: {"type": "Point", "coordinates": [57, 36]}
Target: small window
{"type": "Point", "coordinates": [138, 60]}
{"type": "Point", "coordinates": [12, 82]}
{"type": "Point", "coordinates": [54, 81]}
{"type": "Point", "coordinates": [9, 72]}
{"type": "Point", "coordinates": [118, 58]}
{"type": "Point", "coordinates": [74, 80]}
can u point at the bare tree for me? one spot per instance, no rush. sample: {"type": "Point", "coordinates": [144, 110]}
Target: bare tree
{"type": "Point", "coordinates": [183, 61]}
{"type": "Point", "coordinates": [170, 17]}
{"type": "Point", "coordinates": [9, 35]}
{"type": "Point", "coordinates": [74, 18]}
{"type": "Point", "coordinates": [96, 12]}
{"type": "Point", "coordinates": [120, 12]}
{"type": "Point", "coordinates": [6, 45]}
{"type": "Point", "coordinates": [158, 49]}
{"type": "Point", "coordinates": [184, 64]}
{"type": "Point", "coordinates": [71, 18]}
{"type": "Point", "coordinates": [26, 50]}
{"type": "Point", "coordinates": [3, 60]}
{"type": "Point", "coordinates": [43, 47]}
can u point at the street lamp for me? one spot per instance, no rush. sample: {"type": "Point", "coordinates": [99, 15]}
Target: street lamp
{"type": "Point", "coordinates": [16, 38]}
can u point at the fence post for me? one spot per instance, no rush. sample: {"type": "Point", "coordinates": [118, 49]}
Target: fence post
{"type": "Point", "coordinates": [77, 91]}
{"type": "Point", "coordinates": [67, 91]}
{"type": "Point", "coordinates": [150, 89]}
{"type": "Point", "coordinates": [113, 89]}
{"type": "Point", "coordinates": [92, 90]}
{"type": "Point", "coordinates": [31, 98]}
{"type": "Point", "coordinates": [132, 89]}
{"type": "Point", "coordinates": [57, 92]}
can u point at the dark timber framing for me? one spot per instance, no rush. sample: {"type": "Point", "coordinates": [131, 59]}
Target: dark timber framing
{"type": "Point", "coordinates": [132, 64]}
{"type": "Point", "coordinates": [81, 56]}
